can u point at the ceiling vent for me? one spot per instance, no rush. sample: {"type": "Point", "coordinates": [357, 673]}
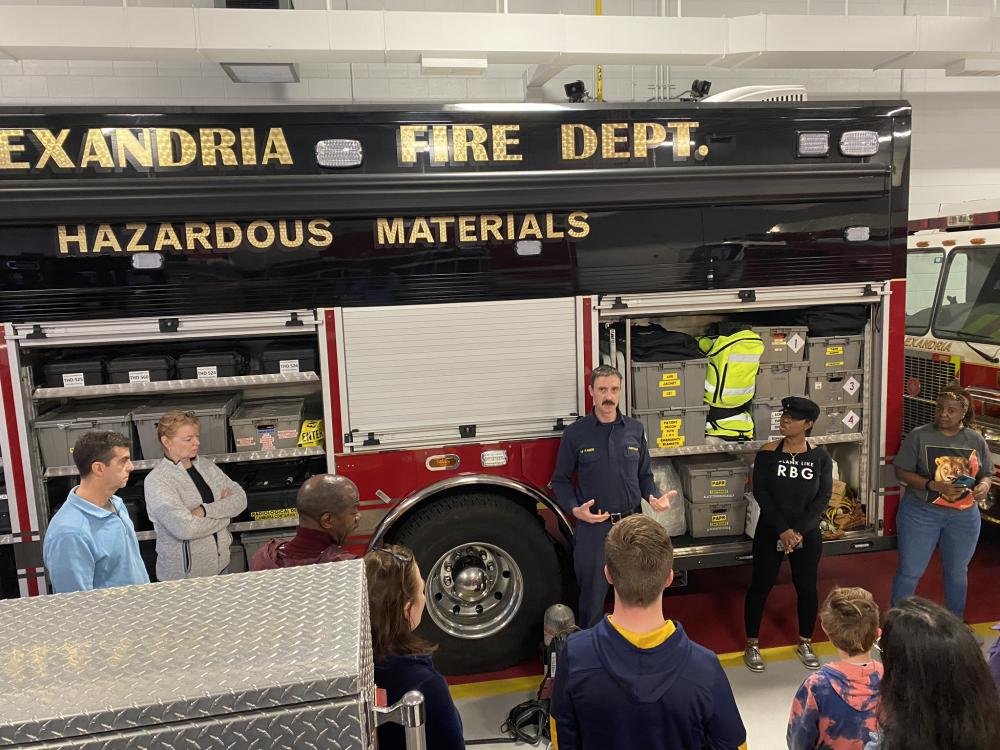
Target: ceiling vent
{"type": "Point", "coordinates": [256, 4]}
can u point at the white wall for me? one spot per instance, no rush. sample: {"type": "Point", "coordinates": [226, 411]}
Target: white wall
{"type": "Point", "coordinates": [956, 139]}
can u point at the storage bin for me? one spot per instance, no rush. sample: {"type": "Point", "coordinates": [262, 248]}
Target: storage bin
{"type": "Point", "coordinates": [213, 411]}
{"type": "Point", "coordinates": [782, 343]}
{"type": "Point", "coordinates": [709, 479]}
{"type": "Point", "coordinates": [140, 369]}
{"type": "Point", "coordinates": [674, 428]}
{"type": "Point", "coordinates": [59, 429]}
{"type": "Point", "coordinates": [835, 353]}
{"type": "Point", "coordinates": [669, 385]}
{"type": "Point", "coordinates": [780, 379]}
{"type": "Point", "coordinates": [725, 518]}
{"type": "Point", "coordinates": [267, 425]}
{"type": "Point", "coordinates": [829, 388]}
{"type": "Point", "coordinates": [209, 365]}
{"type": "Point", "coordinates": [840, 419]}
{"type": "Point", "coordinates": [288, 360]}
{"type": "Point", "coordinates": [766, 418]}
{"type": "Point", "coordinates": [74, 373]}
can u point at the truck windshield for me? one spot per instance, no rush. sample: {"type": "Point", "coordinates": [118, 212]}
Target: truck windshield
{"type": "Point", "coordinates": [969, 306]}
{"type": "Point", "coordinates": [923, 267]}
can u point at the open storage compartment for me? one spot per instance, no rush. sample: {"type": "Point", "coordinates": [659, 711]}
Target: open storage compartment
{"type": "Point", "coordinates": [716, 525]}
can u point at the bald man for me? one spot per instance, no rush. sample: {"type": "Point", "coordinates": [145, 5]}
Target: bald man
{"type": "Point", "coordinates": [328, 513]}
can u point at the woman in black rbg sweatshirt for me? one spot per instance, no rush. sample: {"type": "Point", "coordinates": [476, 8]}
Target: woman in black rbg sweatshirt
{"type": "Point", "coordinates": [792, 482]}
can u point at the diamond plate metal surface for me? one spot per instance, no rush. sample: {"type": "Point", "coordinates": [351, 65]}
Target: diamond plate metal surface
{"type": "Point", "coordinates": [225, 662]}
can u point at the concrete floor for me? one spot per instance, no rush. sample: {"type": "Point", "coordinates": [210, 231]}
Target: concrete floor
{"type": "Point", "coordinates": [764, 700]}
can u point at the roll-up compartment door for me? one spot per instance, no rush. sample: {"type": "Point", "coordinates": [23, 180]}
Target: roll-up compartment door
{"type": "Point", "coordinates": [427, 374]}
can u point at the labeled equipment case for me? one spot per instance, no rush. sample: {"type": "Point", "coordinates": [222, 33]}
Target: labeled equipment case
{"type": "Point", "coordinates": [304, 676]}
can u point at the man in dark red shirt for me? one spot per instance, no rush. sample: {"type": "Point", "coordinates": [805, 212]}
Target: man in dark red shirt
{"type": "Point", "coordinates": [328, 508]}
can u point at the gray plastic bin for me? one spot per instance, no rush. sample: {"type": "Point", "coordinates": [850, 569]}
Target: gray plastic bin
{"type": "Point", "coordinates": [829, 388]}
{"type": "Point", "coordinates": [669, 385]}
{"type": "Point", "coordinates": [725, 518]}
{"type": "Point", "coordinates": [780, 379]}
{"type": "Point", "coordinates": [267, 425]}
{"type": "Point", "coordinates": [59, 429]}
{"type": "Point", "coordinates": [709, 479]}
{"type": "Point", "coordinates": [213, 412]}
{"type": "Point", "coordinates": [841, 419]}
{"type": "Point", "coordinates": [782, 343]}
{"type": "Point", "coordinates": [766, 416]}
{"type": "Point", "coordinates": [835, 353]}
{"type": "Point", "coordinates": [674, 428]}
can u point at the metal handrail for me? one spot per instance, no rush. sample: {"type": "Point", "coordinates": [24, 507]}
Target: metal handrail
{"type": "Point", "coordinates": [410, 712]}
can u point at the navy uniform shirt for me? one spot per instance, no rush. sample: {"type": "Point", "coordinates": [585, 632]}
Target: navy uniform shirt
{"type": "Point", "coordinates": [611, 462]}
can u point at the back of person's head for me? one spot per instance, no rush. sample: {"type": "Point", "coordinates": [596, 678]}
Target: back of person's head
{"type": "Point", "coordinates": [326, 493]}
{"type": "Point", "coordinates": [937, 692]}
{"type": "Point", "coordinates": [640, 559]}
{"type": "Point", "coordinates": [849, 617]}
{"type": "Point", "coordinates": [393, 583]}
{"type": "Point", "coordinates": [97, 447]}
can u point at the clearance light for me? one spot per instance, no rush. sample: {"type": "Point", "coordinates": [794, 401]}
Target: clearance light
{"type": "Point", "coordinates": [491, 459]}
{"type": "Point", "coordinates": [948, 243]}
{"type": "Point", "coordinates": [147, 261]}
{"type": "Point", "coordinates": [857, 234]}
{"type": "Point", "coordinates": [859, 143]}
{"type": "Point", "coordinates": [442, 462]}
{"type": "Point", "coordinates": [977, 241]}
{"type": "Point", "coordinates": [923, 243]}
{"type": "Point", "coordinates": [339, 153]}
{"type": "Point", "coordinates": [814, 144]}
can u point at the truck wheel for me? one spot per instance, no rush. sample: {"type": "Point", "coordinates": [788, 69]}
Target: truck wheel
{"type": "Point", "coordinates": [491, 571]}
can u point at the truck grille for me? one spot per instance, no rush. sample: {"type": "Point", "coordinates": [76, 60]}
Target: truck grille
{"type": "Point", "coordinates": [932, 376]}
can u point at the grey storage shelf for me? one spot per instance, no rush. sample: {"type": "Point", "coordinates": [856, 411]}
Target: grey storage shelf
{"type": "Point", "coordinates": [223, 458]}
{"type": "Point", "coordinates": [176, 386]}
{"type": "Point", "coordinates": [270, 523]}
{"type": "Point", "coordinates": [750, 446]}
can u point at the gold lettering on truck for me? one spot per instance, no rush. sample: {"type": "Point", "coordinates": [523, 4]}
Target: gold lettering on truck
{"type": "Point", "coordinates": [398, 231]}
{"type": "Point", "coordinates": [142, 149]}
{"type": "Point", "coordinates": [459, 143]}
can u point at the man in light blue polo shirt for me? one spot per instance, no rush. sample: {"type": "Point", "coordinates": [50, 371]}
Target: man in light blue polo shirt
{"type": "Point", "coordinates": [90, 542]}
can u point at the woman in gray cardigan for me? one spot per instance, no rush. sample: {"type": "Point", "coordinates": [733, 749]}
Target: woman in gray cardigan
{"type": "Point", "coordinates": [190, 502]}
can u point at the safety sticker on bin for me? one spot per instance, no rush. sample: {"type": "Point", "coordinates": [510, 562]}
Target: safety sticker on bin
{"type": "Point", "coordinates": [796, 342]}
{"type": "Point", "coordinates": [311, 435]}
{"type": "Point", "coordinates": [851, 419]}
{"type": "Point", "coordinates": [670, 434]}
{"type": "Point", "coordinates": [851, 385]}
{"type": "Point", "coordinates": [719, 520]}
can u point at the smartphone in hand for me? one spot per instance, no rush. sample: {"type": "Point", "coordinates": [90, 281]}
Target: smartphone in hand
{"type": "Point", "coordinates": [964, 480]}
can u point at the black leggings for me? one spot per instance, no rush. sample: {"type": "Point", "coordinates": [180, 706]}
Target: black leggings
{"type": "Point", "coordinates": [766, 564]}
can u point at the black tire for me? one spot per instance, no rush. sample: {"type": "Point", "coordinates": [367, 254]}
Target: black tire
{"type": "Point", "coordinates": [496, 520]}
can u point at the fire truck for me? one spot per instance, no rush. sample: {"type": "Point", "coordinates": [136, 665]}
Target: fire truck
{"type": "Point", "coordinates": [953, 319]}
{"type": "Point", "coordinates": [414, 298]}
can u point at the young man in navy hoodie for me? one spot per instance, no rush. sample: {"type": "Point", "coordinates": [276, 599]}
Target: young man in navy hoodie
{"type": "Point", "coordinates": [636, 680]}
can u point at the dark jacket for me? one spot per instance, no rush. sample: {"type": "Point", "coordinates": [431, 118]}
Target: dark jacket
{"type": "Point", "coordinates": [612, 695]}
{"type": "Point", "coordinates": [307, 547]}
{"type": "Point", "coordinates": [398, 675]}
{"type": "Point", "coordinates": [611, 467]}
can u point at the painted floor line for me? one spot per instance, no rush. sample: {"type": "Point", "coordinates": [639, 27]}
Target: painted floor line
{"type": "Point", "coordinates": [733, 659]}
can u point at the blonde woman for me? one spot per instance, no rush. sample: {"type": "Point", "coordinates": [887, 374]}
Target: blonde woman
{"type": "Point", "coordinates": [190, 502]}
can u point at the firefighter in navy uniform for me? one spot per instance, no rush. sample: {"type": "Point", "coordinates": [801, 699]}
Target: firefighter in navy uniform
{"type": "Point", "coordinates": [607, 452]}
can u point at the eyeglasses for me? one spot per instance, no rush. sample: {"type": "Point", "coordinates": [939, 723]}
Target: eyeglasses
{"type": "Point", "coordinates": [402, 559]}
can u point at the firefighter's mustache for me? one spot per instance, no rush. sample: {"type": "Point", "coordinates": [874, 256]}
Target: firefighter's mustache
{"type": "Point", "coordinates": [608, 403]}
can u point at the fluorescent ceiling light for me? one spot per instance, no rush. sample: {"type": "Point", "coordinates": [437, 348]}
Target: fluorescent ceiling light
{"type": "Point", "coordinates": [453, 66]}
{"type": "Point", "coordinates": [262, 72]}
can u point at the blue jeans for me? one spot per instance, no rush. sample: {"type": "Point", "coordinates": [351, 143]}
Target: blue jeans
{"type": "Point", "coordinates": [920, 528]}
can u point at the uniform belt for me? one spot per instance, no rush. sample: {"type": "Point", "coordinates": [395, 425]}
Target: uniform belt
{"type": "Point", "coordinates": [616, 517]}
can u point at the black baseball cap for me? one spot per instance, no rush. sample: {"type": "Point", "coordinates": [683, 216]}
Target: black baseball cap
{"type": "Point", "coordinates": [799, 407]}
